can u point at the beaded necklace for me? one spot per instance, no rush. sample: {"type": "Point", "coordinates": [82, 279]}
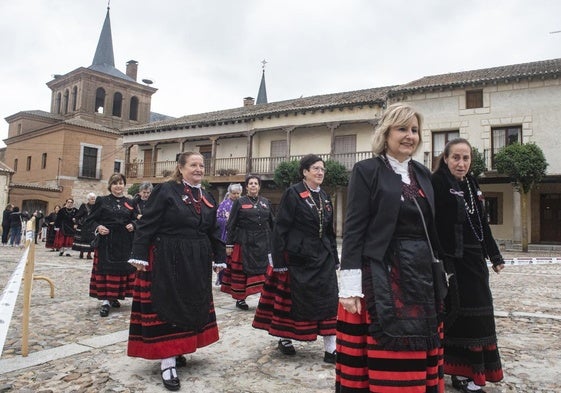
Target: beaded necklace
{"type": "Point", "coordinates": [189, 197]}
{"type": "Point", "coordinates": [478, 233]}
{"type": "Point", "coordinates": [319, 208]}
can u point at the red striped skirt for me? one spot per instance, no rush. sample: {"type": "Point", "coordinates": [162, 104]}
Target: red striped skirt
{"type": "Point", "coordinates": [110, 286]}
{"type": "Point", "coordinates": [363, 367]}
{"type": "Point", "coordinates": [273, 312]}
{"type": "Point", "coordinates": [62, 241]}
{"type": "Point", "coordinates": [235, 282]}
{"type": "Point", "coordinates": [152, 338]}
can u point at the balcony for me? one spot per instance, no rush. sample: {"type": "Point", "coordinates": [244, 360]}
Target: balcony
{"type": "Point", "coordinates": [233, 168]}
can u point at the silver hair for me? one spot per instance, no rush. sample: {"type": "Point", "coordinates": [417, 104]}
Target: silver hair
{"type": "Point", "coordinates": [91, 195]}
{"type": "Point", "coordinates": [235, 187]}
{"type": "Point", "coordinates": [146, 186]}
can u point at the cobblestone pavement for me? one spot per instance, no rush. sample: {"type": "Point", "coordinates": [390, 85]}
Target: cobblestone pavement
{"type": "Point", "coordinates": [72, 349]}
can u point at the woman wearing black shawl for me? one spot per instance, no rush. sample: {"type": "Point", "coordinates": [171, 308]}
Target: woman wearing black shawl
{"type": "Point", "coordinates": [471, 355]}
{"type": "Point", "coordinates": [175, 245]}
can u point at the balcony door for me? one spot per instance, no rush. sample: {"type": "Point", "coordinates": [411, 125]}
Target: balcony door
{"type": "Point", "coordinates": [550, 218]}
{"type": "Point", "coordinates": [345, 150]}
{"type": "Point", "coordinates": [279, 150]}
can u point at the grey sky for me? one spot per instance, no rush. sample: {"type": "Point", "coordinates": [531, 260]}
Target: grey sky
{"type": "Point", "coordinates": [204, 55]}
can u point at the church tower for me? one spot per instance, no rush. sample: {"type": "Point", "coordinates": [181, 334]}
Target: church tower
{"type": "Point", "coordinates": [101, 93]}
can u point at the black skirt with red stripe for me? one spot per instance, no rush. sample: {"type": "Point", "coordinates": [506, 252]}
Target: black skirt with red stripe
{"type": "Point", "coordinates": [152, 338]}
{"type": "Point", "coordinates": [364, 367]}
{"type": "Point", "coordinates": [236, 282]}
{"type": "Point", "coordinates": [273, 312]}
{"type": "Point", "coordinates": [63, 241]}
{"type": "Point", "coordinates": [110, 286]}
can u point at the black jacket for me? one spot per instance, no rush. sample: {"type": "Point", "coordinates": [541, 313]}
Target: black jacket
{"type": "Point", "coordinates": [451, 216]}
{"type": "Point", "coordinates": [373, 203]}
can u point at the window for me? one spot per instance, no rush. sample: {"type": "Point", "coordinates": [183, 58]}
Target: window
{"type": "Point", "coordinates": [134, 109]}
{"type": "Point", "coordinates": [28, 164]}
{"type": "Point", "coordinates": [504, 136]}
{"type": "Point", "coordinates": [117, 167]}
{"type": "Point", "coordinates": [345, 150]}
{"type": "Point", "coordinates": [15, 164]}
{"type": "Point", "coordinates": [43, 160]}
{"type": "Point", "coordinates": [474, 99]}
{"type": "Point", "coordinates": [439, 140]}
{"type": "Point", "coordinates": [90, 162]}
{"type": "Point", "coordinates": [493, 208]}
{"type": "Point", "coordinates": [279, 150]}
{"type": "Point", "coordinates": [117, 104]}
{"type": "Point", "coordinates": [99, 100]}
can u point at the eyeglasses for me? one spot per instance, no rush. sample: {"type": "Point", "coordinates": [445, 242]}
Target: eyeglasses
{"type": "Point", "coordinates": [317, 169]}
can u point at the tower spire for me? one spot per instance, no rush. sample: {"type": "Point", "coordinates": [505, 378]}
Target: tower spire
{"type": "Point", "coordinates": [262, 95]}
{"type": "Point", "coordinates": [104, 52]}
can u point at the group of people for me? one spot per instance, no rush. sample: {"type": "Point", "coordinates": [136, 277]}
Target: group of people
{"type": "Point", "coordinates": [291, 259]}
{"type": "Point", "coordinates": [414, 296]}
{"type": "Point", "coordinates": [412, 301]}
{"type": "Point", "coordinates": [13, 221]}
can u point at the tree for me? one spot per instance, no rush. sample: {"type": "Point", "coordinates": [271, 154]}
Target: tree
{"type": "Point", "coordinates": [526, 166]}
{"type": "Point", "coordinates": [336, 174]}
{"type": "Point", "coordinates": [286, 174]}
{"type": "Point", "coordinates": [133, 189]}
{"type": "Point", "coordinates": [477, 162]}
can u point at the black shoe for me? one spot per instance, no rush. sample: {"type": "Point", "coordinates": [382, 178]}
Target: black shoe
{"type": "Point", "coordinates": [330, 357]}
{"type": "Point", "coordinates": [242, 305]}
{"type": "Point", "coordinates": [286, 347]}
{"type": "Point", "coordinates": [61, 253]}
{"type": "Point", "coordinates": [115, 303]}
{"type": "Point", "coordinates": [173, 382]}
{"type": "Point", "coordinates": [459, 383]}
{"type": "Point", "coordinates": [104, 310]}
{"type": "Point", "coordinates": [68, 255]}
{"type": "Point", "coordinates": [180, 361]}
{"type": "Point", "coordinates": [462, 385]}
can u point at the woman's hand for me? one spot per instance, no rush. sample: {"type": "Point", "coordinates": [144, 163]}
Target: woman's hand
{"type": "Point", "coordinates": [229, 251]}
{"type": "Point", "coordinates": [139, 266]}
{"type": "Point", "coordinates": [102, 230]}
{"type": "Point", "coordinates": [498, 268]}
{"type": "Point", "coordinates": [129, 227]}
{"type": "Point", "coordinates": [351, 304]}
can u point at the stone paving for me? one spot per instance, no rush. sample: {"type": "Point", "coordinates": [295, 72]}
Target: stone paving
{"type": "Point", "coordinates": [72, 349]}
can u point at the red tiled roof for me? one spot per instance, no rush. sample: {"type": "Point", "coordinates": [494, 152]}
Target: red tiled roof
{"type": "Point", "coordinates": [545, 69]}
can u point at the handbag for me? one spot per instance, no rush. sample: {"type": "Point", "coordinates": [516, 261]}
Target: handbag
{"type": "Point", "coordinates": [439, 276]}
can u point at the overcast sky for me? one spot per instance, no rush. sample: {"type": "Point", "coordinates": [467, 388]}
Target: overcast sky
{"type": "Point", "coordinates": [205, 55]}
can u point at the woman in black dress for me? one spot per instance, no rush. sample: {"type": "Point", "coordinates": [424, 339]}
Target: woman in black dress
{"type": "Point", "coordinates": [112, 217]}
{"type": "Point", "coordinates": [64, 227]}
{"type": "Point", "coordinates": [51, 233]}
{"type": "Point", "coordinates": [299, 298]}
{"type": "Point", "coordinates": [248, 244]}
{"type": "Point", "coordinates": [84, 233]}
{"type": "Point", "coordinates": [471, 354]}
{"type": "Point", "coordinates": [175, 245]}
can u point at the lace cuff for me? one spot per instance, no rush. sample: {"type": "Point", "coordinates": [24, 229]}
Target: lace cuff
{"type": "Point", "coordinates": [280, 269]}
{"type": "Point", "coordinates": [350, 283]}
{"type": "Point", "coordinates": [215, 265]}
{"type": "Point", "coordinates": [138, 262]}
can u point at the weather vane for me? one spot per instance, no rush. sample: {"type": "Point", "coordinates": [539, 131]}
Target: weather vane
{"type": "Point", "coordinates": [264, 62]}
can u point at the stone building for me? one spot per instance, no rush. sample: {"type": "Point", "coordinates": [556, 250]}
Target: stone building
{"type": "Point", "coordinates": [73, 149]}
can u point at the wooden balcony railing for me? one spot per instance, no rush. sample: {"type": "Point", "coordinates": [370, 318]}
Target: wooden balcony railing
{"type": "Point", "coordinates": [234, 165]}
